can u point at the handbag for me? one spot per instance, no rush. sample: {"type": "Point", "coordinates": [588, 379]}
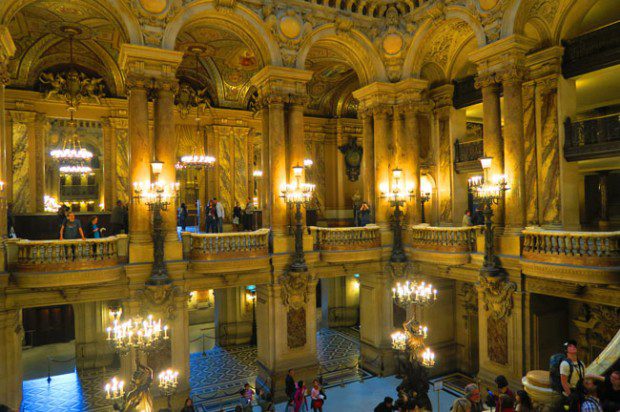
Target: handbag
{"type": "Point", "coordinates": [317, 403]}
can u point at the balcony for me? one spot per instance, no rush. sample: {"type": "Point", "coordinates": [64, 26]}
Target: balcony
{"type": "Point", "coordinates": [447, 245]}
{"type": "Point", "coordinates": [583, 257]}
{"type": "Point", "coordinates": [592, 138]}
{"type": "Point", "coordinates": [60, 263]}
{"type": "Point", "coordinates": [227, 253]}
{"type": "Point", "coordinates": [79, 192]}
{"type": "Point", "coordinates": [347, 244]}
{"type": "Point", "coordinates": [467, 155]}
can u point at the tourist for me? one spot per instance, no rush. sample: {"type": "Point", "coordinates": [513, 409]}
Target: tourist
{"type": "Point", "coordinates": [317, 396]}
{"type": "Point", "coordinates": [290, 386]}
{"type": "Point", "coordinates": [501, 402]}
{"type": "Point", "coordinates": [10, 221]}
{"type": "Point", "coordinates": [210, 217]}
{"type": "Point", "coordinates": [461, 405]}
{"type": "Point", "coordinates": [364, 214]}
{"type": "Point", "coordinates": [300, 397]}
{"type": "Point", "coordinates": [93, 230]}
{"type": "Point", "coordinates": [524, 403]}
{"type": "Point", "coordinates": [265, 401]}
{"type": "Point", "coordinates": [117, 219]}
{"type": "Point", "coordinates": [236, 220]}
{"type": "Point", "coordinates": [478, 218]}
{"type": "Point", "coordinates": [248, 215]}
{"type": "Point", "coordinates": [188, 406]}
{"type": "Point", "coordinates": [403, 403]}
{"type": "Point", "coordinates": [611, 393]}
{"type": "Point", "coordinates": [467, 218]}
{"type": "Point", "coordinates": [247, 395]}
{"type": "Point", "coordinates": [591, 402]}
{"type": "Point", "coordinates": [472, 393]}
{"type": "Point", "coordinates": [572, 371]}
{"type": "Point", "coordinates": [72, 228]}
{"type": "Point", "coordinates": [220, 214]}
{"type": "Point", "coordinates": [386, 406]}
{"type": "Point", "coordinates": [183, 217]}
{"type": "Point", "coordinates": [61, 215]}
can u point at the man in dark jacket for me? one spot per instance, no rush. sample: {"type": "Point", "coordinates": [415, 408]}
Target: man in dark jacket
{"type": "Point", "coordinates": [386, 406]}
{"type": "Point", "coordinates": [290, 387]}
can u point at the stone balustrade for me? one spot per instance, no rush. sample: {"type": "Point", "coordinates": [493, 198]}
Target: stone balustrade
{"type": "Point", "coordinates": [346, 238]}
{"type": "Point", "coordinates": [575, 248]}
{"type": "Point", "coordinates": [443, 239]}
{"type": "Point", "coordinates": [217, 246]}
{"type": "Point", "coordinates": [64, 255]}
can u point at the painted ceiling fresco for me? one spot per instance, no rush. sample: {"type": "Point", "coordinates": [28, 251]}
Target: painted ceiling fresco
{"type": "Point", "coordinates": [332, 84]}
{"type": "Point", "coordinates": [39, 33]}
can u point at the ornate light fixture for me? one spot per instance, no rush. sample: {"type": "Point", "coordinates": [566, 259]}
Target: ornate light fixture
{"type": "Point", "coordinates": [426, 190]}
{"type": "Point", "coordinates": [197, 161]}
{"type": "Point", "coordinates": [397, 197]}
{"type": "Point", "coordinates": [414, 293]}
{"type": "Point", "coordinates": [114, 389]}
{"type": "Point", "coordinates": [138, 333]}
{"type": "Point", "coordinates": [157, 196]}
{"type": "Point", "coordinates": [298, 193]}
{"type": "Point", "coordinates": [168, 382]}
{"type": "Point", "coordinates": [187, 97]}
{"type": "Point", "coordinates": [488, 191]}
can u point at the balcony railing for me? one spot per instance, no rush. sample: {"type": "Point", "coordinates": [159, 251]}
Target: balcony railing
{"type": "Point", "coordinates": [216, 246]}
{"type": "Point", "coordinates": [66, 255]}
{"type": "Point", "coordinates": [576, 248]}
{"type": "Point", "coordinates": [592, 138]}
{"type": "Point", "coordinates": [347, 238]}
{"type": "Point", "coordinates": [79, 191]}
{"type": "Point", "coordinates": [444, 239]}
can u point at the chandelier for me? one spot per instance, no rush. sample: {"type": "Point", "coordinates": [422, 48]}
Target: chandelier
{"type": "Point", "coordinates": [397, 194]}
{"type": "Point", "coordinates": [114, 389]}
{"type": "Point", "coordinates": [488, 190]}
{"type": "Point", "coordinates": [196, 161]}
{"type": "Point", "coordinates": [137, 333]}
{"type": "Point", "coordinates": [413, 293]}
{"type": "Point", "coordinates": [297, 192]}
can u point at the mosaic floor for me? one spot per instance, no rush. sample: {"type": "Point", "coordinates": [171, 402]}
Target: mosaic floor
{"type": "Point", "coordinates": [215, 377]}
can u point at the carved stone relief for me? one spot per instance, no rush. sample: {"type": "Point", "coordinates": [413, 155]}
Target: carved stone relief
{"type": "Point", "coordinates": [497, 340]}
{"type": "Point", "coordinates": [497, 296]}
{"type": "Point", "coordinates": [597, 325]}
{"type": "Point", "coordinates": [296, 327]}
{"type": "Point", "coordinates": [294, 295]}
{"type": "Point", "coordinates": [159, 301]}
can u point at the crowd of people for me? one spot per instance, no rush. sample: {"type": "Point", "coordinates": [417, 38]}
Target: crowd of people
{"type": "Point", "coordinates": [476, 219]}
{"type": "Point", "coordinates": [577, 391]}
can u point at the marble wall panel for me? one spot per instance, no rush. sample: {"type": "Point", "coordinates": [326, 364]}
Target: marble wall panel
{"type": "Point", "coordinates": [445, 172]}
{"type": "Point", "coordinates": [497, 340]}
{"type": "Point", "coordinates": [550, 153]}
{"type": "Point", "coordinates": [241, 166]}
{"type": "Point", "coordinates": [531, 169]}
{"type": "Point", "coordinates": [21, 162]}
{"type": "Point", "coordinates": [225, 165]}
{"type": "Point", "coordinates": [122, 165]}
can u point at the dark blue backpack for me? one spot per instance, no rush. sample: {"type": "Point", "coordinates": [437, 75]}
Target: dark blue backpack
{"type": "Point", "coordinates": [554, 371]}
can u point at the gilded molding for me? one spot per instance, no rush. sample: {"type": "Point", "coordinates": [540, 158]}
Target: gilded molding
{"type": "Point", "coordinates": [497, 295]}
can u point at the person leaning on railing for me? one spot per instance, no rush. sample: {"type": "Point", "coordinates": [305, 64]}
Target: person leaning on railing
{"type": "Point", "coordinates": [71, 228]}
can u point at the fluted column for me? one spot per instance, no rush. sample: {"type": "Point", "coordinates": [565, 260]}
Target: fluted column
{"type": "Point", "coordinates": [11, 334]}
{"type": "Point", "coordinates": [139, 157]}
{"type": "Point", "coordinates": [368, 160]}
{"type": "Point", "coordinates": [512, 81]}
{"type": "Point", "coordinates": [165, 151]}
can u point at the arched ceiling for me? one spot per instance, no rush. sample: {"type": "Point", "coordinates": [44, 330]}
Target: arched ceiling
{"type": "Point", "coordinates": [331, 87]}
{"type": "Point", "coordinates": [39, 31]}
{"type": "Point", "coordinates": [227, 62]}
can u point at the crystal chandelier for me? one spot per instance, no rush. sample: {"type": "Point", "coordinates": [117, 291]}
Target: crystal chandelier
{"type": "Point", "coordinates": [488, 190]}
{"type": "Point", "coordinates": [114, 389]}
{"type": "Point", "coordinates": [196, 161]}
{"type": "Point", "coordinates": [137, 333]}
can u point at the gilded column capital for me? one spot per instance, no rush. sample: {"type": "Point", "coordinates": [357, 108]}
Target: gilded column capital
{"type": "Point", "coordinates": [382, 110]}
{"type": "Point", "coordinates": [118, 122]}
{"type": "Point", "coordinates": [442, 96]}
{"type": "Point", "coordinates": [298, 100]}
{"type": "Point", "coordinates": [22, 116]}
{"type": "Point", "coordinates": [512, 74]}
{"type": "Point", "coordinates": [548, 85]}
{"type": "Point", "coordinates": [165, 84]}
{"type": "Point", "coordinates": [137, 82]}
{"type": "Point", "coordinates": [484, 80]}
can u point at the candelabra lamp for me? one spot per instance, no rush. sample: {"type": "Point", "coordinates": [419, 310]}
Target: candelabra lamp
{"type": "Point", "coordinates": [168, 383]}
{"type": "Point", "coordinates": [488, 191]}
{"type": "Point", "coordinates": [157, 196]}
{"type": "Point", "coordinates": [397, 196]}
{"type": "Point", "coordinates": [425, 194]}
{"type": "Point", "coordinates": [296, 195]}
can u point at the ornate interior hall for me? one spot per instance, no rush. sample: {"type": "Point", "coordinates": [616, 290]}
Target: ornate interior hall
{"type": "Point", "coordinates": [389, 196]}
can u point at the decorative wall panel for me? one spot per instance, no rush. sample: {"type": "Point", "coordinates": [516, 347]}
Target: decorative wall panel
{"type": "Point", "coordinates": [122, 165]}
{"type": "Point", "coordinates": [531, 169]}
{"type": "Point", "coordinates": [296, 327]}
{"type": "Point", "coordinates": [445, 171]}
{"type": "Point", "coordinates": [21, 168]}
{"type": "Point", "coordinates": [241, 166]}
{"type": "Point", "coordinates": [550, 152]}
{"type": "Point", "coordinates": [225, 167]}
{"type": "Point", "coordinates": [497, 340]}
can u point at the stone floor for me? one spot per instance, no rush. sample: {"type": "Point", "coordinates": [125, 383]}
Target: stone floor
{"type": "Point", "coordinates": [215, 377]}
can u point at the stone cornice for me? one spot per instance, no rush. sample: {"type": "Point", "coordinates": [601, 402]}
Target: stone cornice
{"type": "Point", "coordinates": [149, 62]}
{"type": "Point", "coordinates": [545, 62]}
{"type": "Point", "coordinates": [283, 81]}
{"type": "Point", "coordinates": [508, 51]}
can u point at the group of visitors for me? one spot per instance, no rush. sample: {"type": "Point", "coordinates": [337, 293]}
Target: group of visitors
{"type": "Point", "coordinates": [215, 214]}
{"type": "Point", "coordinates": [362, 215]}
{"type": "Point", "coordinates": [70, 226]}
{"type": "Point", "coordinates": [579, 392]}
{"type": "Point", "coordinates": [297, 393]}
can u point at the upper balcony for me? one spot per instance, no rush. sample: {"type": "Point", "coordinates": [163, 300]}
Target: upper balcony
{"type": "Point", "coordinates": [448, 245]}
{"type": "Point", "coordinates": [60, 263]}
{"type": "Point", "coordinates": [583, 257]}
{"type": "Point", "coordinates": [347, 244]}
{"type": "Point", "coordinates": [222, 253]}
{"type": "Point", "coordinates": [592, 138]}
{"type": "Point", "coordinates": [467, 155]}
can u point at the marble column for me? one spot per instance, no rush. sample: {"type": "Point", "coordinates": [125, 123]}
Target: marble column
{"type": "Point", "coordinates": [442, 96]}
{"type": "Point", "coordinates": [139, 162]}
{"type": "Point", "coordinates": [264, 182]}
{"type": "Point", "coordinates": [11, 334]}
{"type": "Point", "coordinates": [512, 81]}
{"type": "Point", "coordinates": [368, 160]}
{"type": "Point", "coordinates": [493, 143]}
{"type": "Point", "coordinates": [109, 163]}
{"type": "Point", "coordinates": [530, 156]}
{"type": "Point", "coordinates": [297, 145]}
{"type": "Point", "coordinates": [383, 163]}
{"type": "Point", "coordinates": [165, 151]}
{"type": "Point", "coordinates": [410, 151]}
{"type": "Point", "coordinates": [277, 165]}
{"type": "Point", "coordinates": [179, 336]}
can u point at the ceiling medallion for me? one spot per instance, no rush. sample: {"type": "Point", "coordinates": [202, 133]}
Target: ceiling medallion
{"type": "Point", "coordinates": [393, 43]}
{"type": "Point", "coordinates": [487, 5]}
{"type": "Point", "coordinates": [154, 6]}
{"type": "Point", "coordinates": [290, 26]}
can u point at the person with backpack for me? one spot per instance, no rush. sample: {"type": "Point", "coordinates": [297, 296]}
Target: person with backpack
{"type": "Point", "coordinates": [566, 373]}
